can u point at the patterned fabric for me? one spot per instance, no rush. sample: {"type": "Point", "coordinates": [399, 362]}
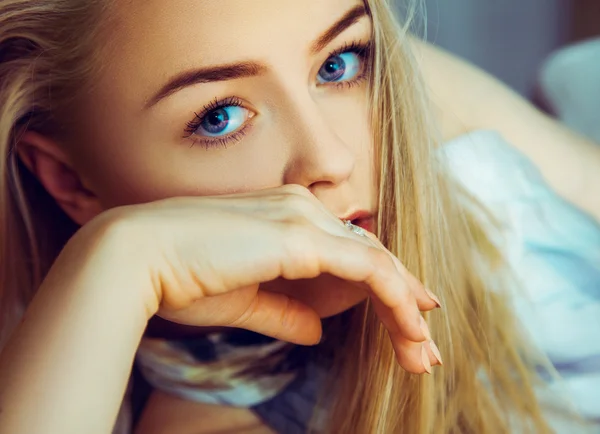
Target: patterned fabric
{"type": "Point", "coordinates": [215, 369]}
{"type": "Point", "coordinates": [228, 369]}
{"type": "Point", "coordinates": [553, 248]}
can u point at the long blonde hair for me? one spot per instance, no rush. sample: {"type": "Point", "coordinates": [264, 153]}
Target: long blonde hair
{"type": "Point", "coordinates": [46, 55]}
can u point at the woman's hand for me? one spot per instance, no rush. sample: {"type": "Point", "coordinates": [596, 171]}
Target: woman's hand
{"type": "Point", "coordinates": [197, 261]}
{"type": "Point", "coordinates": [204, 259]}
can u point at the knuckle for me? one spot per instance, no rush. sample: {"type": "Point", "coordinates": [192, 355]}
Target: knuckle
{"type": "Point", "coordinates": [296, 189]}
{"type": "Point", "coordinates": [384, 267]}
{"type": "Point", "coordinates": [300, 247]}
{"type": "Point", "coordinates": [381, 260]}
{"type": "Point", "coordinates": [287, 317]}
{"type": "Point", "coordinates": [245, 317]}
{"type": "Point", "coordinates": [122, 229]}
{"type": "Point", "coordinates": [299, 238]}
{"type": "Point", "coordinates": [299, 204]}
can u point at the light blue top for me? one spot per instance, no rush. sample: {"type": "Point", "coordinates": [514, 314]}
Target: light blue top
{"type": "Point", "coordinates": [555, 251]}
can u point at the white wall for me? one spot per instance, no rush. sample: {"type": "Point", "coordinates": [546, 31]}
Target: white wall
{"type": "Point", "coordinates": [509, 38]}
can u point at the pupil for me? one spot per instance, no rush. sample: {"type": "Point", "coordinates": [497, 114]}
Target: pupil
{"type": "Point", "coordinates": [333, 66]}
{"type": "Point", "coordinates": [217, 117]}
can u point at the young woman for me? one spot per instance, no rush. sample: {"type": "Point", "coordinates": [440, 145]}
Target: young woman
{"type": "Point", "coordinates": [178, 171]}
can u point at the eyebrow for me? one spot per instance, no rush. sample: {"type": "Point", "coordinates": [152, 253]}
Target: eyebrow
{"type": "Point", "coordinates": [350, 18]}
{"type": "Point", "coordinates": [250, 69]}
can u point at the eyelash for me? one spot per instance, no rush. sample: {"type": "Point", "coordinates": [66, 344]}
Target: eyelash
{"type": "Point", "coordinates": [216, 104]}
{"type": "Point", "coordinates": [362, 49]}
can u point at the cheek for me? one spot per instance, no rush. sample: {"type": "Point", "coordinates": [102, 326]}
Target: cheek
{"type": "Point", "coordinates": [164, 178]}
{"type": "Point", "coordinates": [349, 118]}
{"type": "Point", "coordinates": [123, 168]}
{"type": "Point", "coordinates": [163, 169]}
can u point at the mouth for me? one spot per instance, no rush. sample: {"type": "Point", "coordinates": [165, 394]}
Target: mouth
{"type": "Point", "coordinates": [363, 219]}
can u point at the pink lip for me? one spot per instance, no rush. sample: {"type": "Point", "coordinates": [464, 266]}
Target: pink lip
{"type": "Point", "coordinates": [367, 224]}
{"type": "Point", "coordinates": [363, 219]}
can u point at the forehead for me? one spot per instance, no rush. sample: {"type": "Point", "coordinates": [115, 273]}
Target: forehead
{"type": "Point", "coordinates": [150, 41]}
{"type": "Point", "coordinates": [218, 31]}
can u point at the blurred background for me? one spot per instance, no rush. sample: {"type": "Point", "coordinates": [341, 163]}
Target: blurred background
{"type": "Point", "coordinates": [547, 50]}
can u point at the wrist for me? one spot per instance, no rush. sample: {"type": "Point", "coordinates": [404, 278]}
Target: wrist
{"type": "Point", "coordinates": [77, 342]}
{"type": "Point", "coordinates": [110, 255]}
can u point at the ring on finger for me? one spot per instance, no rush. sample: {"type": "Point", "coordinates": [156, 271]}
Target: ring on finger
{"type": "Point", "coordinates": [356, 229]}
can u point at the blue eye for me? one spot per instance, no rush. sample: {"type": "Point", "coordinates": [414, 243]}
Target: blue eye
{"type": "Point", "coordinates": [340, 67]}
{"type": "Point", "coordinates": [221, 121]}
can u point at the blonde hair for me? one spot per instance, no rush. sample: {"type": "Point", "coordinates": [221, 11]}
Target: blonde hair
{"type": "Point", "coordinates": [488, 378]}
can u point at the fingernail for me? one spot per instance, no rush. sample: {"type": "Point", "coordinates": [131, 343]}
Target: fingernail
{"type": "Point", "coordinates": [425, 358]}
{"type": "Point", "coordinates": [433, 297]}
{"type": "Point", "coordinates": [425, 329]}
{"type": "Point", "coordinates": [436, 352]}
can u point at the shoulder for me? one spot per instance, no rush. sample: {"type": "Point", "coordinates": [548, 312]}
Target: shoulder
{"type": "Point", "coordinates": [465, 99]}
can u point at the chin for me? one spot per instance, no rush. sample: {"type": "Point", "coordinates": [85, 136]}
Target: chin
{"type": "Point", "coordinates": [327, 295]}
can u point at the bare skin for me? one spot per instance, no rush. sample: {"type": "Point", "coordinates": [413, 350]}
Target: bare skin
{"type": "Point", "coordinates": [124, 150]}
{"type": "Point", "coordinates": [199, 262]}
{"type": "Point", "coordinates": [127, 148]}
{"type": "Point", "coordinates": [569, 162]}
{"type": "Point", "coordinates": [165, 413]}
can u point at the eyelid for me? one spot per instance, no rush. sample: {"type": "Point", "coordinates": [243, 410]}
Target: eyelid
{"type": "Point", "coordinates": [215, 104]}
{"type": "Point", "coordinates": [360, 47]}
{"type": "Point", "coordinates": [363, 50]}
{"type": "Point", "coordinates": [224, 141]}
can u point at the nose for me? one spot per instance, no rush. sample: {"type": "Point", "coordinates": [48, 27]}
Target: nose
{"type": "Point", "coordinates": [319, 157]}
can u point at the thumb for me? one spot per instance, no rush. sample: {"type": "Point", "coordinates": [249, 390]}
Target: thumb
{"type": "Point", "coordinates": [268, 313]}
{"type": "Point", "coordinates": [281, 317]}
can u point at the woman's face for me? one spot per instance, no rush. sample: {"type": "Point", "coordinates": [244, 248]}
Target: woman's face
{"type": "Point", "coordinates": [217, 97]}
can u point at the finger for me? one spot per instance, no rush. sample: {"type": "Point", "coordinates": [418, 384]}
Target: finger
{"type": "Point", "coordinates": [303, 202]}
{"type": "Point", "coordinates": [426, 300]}
{"type": "Point", "coordinates": [412, 356]}
{"type": "Point", "coordinates": [267, 313]}
{"type": "Point", "coordinates": [349, 260]}
{"type": "Point", "coordinates": [406, 350]}
{"type": "Point", "coordinates": [434, 354]}
{"type": "Point", "coordinates": [432, 349]}
{"type": "Point", "coordinates": [395, 325]}
{"type": "Point", "coordinates": [415, 357]}
{"type": "Point", "coordinates": [281, 317]}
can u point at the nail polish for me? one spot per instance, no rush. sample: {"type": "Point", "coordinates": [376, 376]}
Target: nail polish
{"type": "Point", "coordinates": [436, 351]}
{"type": "Point", "coordinates": [425, 359]}
{"type": "Point", "coordinates": [433, 297]}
